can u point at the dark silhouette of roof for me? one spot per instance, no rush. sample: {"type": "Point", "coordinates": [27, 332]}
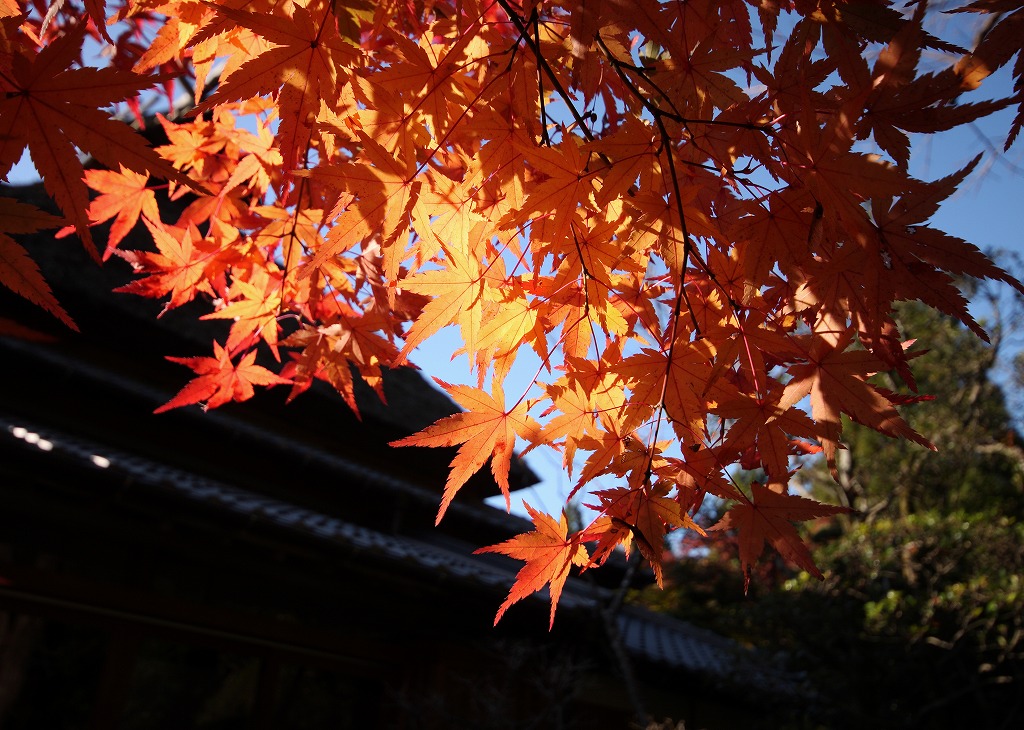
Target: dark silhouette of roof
{"type": "Point", "coordinates": [647, 636]}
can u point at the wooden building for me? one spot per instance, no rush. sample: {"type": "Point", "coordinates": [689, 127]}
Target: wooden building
{"type": "Point", "coordinates": [276, 566]}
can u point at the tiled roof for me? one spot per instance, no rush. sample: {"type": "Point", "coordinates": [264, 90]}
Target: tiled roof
{"type": "Point", "coordinates": [648, 636]}
{"type": "Point", "coordinates": [662, 639]}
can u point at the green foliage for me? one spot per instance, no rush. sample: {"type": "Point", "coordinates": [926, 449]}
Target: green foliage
{"type": "Point", "coordinates": [940, 601]}
{"type": "Point", "coordinates": [918, 623]}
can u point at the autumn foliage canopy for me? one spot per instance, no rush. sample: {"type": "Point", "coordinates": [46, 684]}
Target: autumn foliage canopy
{"type": "Point", "coordinates": [689, 219]}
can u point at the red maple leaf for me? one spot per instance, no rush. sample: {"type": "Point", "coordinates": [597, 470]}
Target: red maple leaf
{"type": "Point", "coordinates": [220, 380]}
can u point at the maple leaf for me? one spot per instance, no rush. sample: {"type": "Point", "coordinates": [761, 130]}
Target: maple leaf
{"type": "Point", "coordinates": [179, 269]}
{"type": "Point", "coordinates": [549, 553]}
{"type": "Point", "coordinates": [173, 36]}
{"type": "Point", "coordinates": [255, 307]}
{"type": "Point", "coordinates": [124, 196]}
{"type": "Point", "coordinates": [192, 145]}
{"type": "Point", "coordinates": [18, 272]}
{"type": "Point", "coordinates": [761, 421]}
{"type": "Point", "coordinates": [836, 380]}
{"type": "Point", "coordinates": [769, 516]}
{"type": "Point", "coordinates": [512, 323]}
{"type": "Point", "coordinates": [574, 420]}
{"type": "Point", "coordinates": [908, 243]}
{"type": "Point", "coordinates": [567, 184]}
{"type": "Point", "coordinates": [839, 179]}
{"type": "Point", "coordinates": [895, 99]}
{"type": "Point", "coordinates": [330, 350]}
{"type": "Point", "coordinates": [999, 42]}
{"type": "Point", "coordinates": [301, 69]}
{"type": "Point", "coordinates": [426, 71]}
{"type": "Point", "coordinates": [383, 195]}
{"type": "Point", "coordinates": [52, 109]}
{"type": "Point", "coordinates": [220, 380]}
{"type": "Point", "coordinates": [455, 291]}
{"type": "Point", "coordinates": [485, 431]}
{"type": "Point", "coordinates": [386, 119]}
{"type": "Point", "coordinates": [319, 359]}
{"type": "Point", "coordinates": [682, 384]}
{"type": "Point", "coordinates": [648, 514]}
{"type": "Point", "coordinates": [608, 446]}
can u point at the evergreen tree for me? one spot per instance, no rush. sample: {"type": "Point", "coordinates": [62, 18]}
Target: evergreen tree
{"type": "Point", "coordinates": [977, 466]}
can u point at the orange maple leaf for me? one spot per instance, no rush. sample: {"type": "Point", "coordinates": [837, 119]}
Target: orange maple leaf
{"type": "Point", "coordinates": [574, 418]}
{"type": "Point", "coordinates": [52, 109]}
{"type": "Point", "coordinates": [456, 292]}
{"type": "Point", "coordinates": [178, 269]}
{"type": "Point", "coordinates": [301, 70]}
{"type": "Point", "coordinates": [566, 184]}
{"type": "Point", "coordinates": [549, 553]}
{"type": "Point", "coordinates": [485, 430]}
{"type": "Point", "coordinates": [383, 194]}
{"type": "Point", "coordinates": [690, 380]}
{"type": "Point", "coordinates": [760, 420]}
{"type": "Point", "coordinates": [329, 351]}
{"type": "Point", "coordinates": [769, 516]}
{"type": "Point", "coordinates": [255, 307]}
{"type": "Point", "coordinates": [916, 250]}
{"type": "Point", "coordinates": [836, 380]}
{"type": "Point", "coordinates": [124, 197]}
{"type": "Point", "coordinates": [320, 359]}
{"type": "Point", "coordinates": [220, 380]}
{"type": "Point", "coordinates": [646, 514]}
